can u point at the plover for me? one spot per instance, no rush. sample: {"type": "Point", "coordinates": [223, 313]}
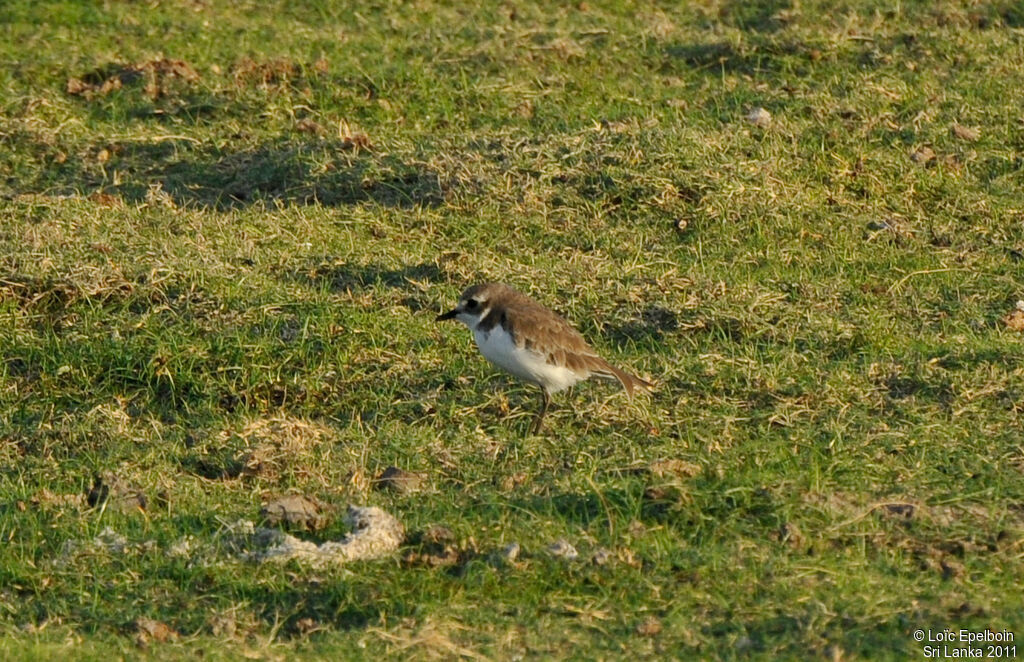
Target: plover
{"type": "Point", "coordinates": [535, 344]}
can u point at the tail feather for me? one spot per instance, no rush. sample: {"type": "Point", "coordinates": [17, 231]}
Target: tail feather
{"type": "Point", "coordinates": [629, 382]}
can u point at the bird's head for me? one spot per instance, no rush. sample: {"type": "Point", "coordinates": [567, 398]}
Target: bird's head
{"type": "Point", "coordinates": [473, 305]}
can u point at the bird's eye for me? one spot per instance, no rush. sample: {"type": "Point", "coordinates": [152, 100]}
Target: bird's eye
{"type": "Point", "coordinates": [471, 304]}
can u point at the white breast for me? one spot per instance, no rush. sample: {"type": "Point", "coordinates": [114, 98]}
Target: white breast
{"type": "Point", "coordinates": [498, 347]}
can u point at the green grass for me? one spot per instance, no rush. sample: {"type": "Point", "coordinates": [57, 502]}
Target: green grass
{"type": "Point", "coordinates": [188, 263]}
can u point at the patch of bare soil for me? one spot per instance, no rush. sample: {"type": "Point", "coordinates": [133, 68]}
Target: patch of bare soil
{"type": "Point", "coordinates": [297, 512]}
{"type": "Point", "coordinates": [375, 534]}
{"type": "Point", "coordinates": [158, 77]}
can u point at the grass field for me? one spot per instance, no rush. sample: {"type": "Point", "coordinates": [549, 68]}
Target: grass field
{"type": "Point", "coordinates": [225, 231]}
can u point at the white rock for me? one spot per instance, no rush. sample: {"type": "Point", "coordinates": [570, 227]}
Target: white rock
{"type": "Point", "coordinates": [375, 534]}
{"type": "Point", "coordinates": [510, 552]}
{"type": "Point", "coordinates": [562, 549]}
{"type": "Point", "coordinates": [760, 118]}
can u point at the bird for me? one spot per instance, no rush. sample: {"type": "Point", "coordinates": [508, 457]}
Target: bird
{"type": "Point", "coordinates": [530, 341]}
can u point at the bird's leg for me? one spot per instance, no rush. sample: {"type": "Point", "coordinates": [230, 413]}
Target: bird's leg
{"type": "Point", "coordinates": [545, 400]}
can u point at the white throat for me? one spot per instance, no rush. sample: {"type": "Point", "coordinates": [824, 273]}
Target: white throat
{"type": "Point", "coordinates": [472, 320]}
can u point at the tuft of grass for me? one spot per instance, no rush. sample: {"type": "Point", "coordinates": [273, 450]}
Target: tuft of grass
{"type": "Point", "coordinates": [226, 227]}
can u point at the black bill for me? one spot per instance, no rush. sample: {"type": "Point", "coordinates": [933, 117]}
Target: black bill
{"type": "Point", "coordinates": [447, 316]}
